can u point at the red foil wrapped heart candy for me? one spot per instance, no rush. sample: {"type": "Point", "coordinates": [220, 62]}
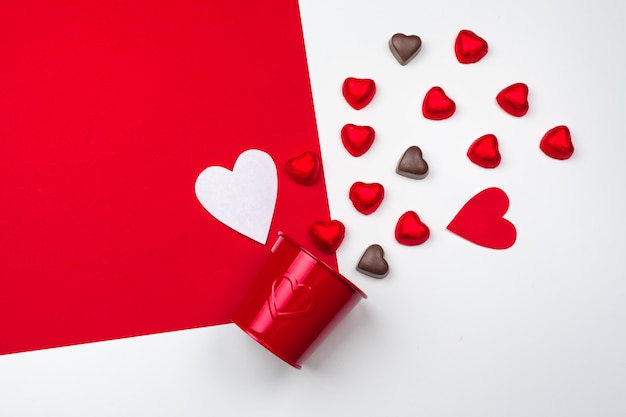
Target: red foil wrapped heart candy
{"type": "Point", "coordinates": [366, 197]}
{"type": "Point", "coordinates": [484, 151]}
{"type": "Point", "coordinates": [327, 235]}
{"type": "Point", "coordinates": [358, 92]}
{"type": "Point", "coordinates": [304, 169]}
{"type": "Point", "coordinates": [557, 143]}
{"type": "Point", "coordinates": [437, 105]}
{"type": "Point", "coordinates": [410, 230]}
{"type": "Point", "coordinates": [357, 139]}
{"type": "Point", "coordinates": [469, 47]}
{"type": "Point", "coordinates": [514, 99]}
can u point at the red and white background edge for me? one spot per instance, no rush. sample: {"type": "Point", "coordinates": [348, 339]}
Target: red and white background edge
{"type": "Point", "coordinates": [455, 328]}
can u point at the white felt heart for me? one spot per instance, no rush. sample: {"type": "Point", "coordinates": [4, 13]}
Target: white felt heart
{"type": "Point", "coordinates": [244, 198]}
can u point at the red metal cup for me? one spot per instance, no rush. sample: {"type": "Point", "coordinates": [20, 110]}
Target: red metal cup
{"type": "Point", "coordinates": [294, 302]}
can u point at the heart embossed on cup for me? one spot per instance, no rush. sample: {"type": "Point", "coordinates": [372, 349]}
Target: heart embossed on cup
{"type": "Point", "coordinates": [289, 299]}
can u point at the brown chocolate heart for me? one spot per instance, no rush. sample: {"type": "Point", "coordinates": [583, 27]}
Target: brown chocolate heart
{"type": "Point", "coordinates": [404, 48]}
{"type": "Point", "coordinates": [373, 262]}
{"type": "Point", "coordinates": [412, 164]}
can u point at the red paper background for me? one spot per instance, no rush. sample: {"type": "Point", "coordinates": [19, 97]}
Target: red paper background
{"type": "Point", "coordinates": [108, 112]}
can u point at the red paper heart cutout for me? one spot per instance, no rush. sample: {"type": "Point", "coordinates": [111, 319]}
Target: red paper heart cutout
{"type": "Point", "coordinates": [304, 169]}
{"type": "Point", "coordinates": [437, 105]}
{"type": "Point", "coordinates": [484, 151]}
{"type": "Point", "coordinates": [366, 197]}
{"type": "Point", "coordinates": [469, 47]}
{"type": "Point", "coordinates": [289, 299]}
{"type": "Point", "coordinates": [557, 143]}
{"type": "Point", "coordinates": [481, 220]}
{"type": "Point", "coordinates": [410, 230]}
{"type": "Point", "coordinates": [358, 92]}
{"type": "Point", "coordinates": [357, 139]}
{"type": "Point", "coordinates": [514, 99]}
{"type": "Point", "coordinates": [327, 235]}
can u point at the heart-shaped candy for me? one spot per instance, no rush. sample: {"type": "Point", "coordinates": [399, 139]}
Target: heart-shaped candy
{"type": "Point", "coordinates": [290, 299]}
{"type": "Point", "coordinates": [304, 169]}
{"type": "Point", "coordinates": [358, 92]}
{"type": "Point", "coordinates": [404, 48]}
{"type": "Point", "coordinates": [484, 151]}
{"type": "Point", "coordinates": [357, 139]}
{"type": "Point", "coordinates": [557, 143]}
{"type": "Point", "coordinates": [412, 164]}
{"type": "Point", "coordinates": [480, 220]}
{"type": "Point", "coordinates": [437, 105]}
{"type": "Point", "coordinates": [373, 262]}
{"type": "Point", "coordinates": [514, 99]}
{"type": "Point", "coordinates": [366, 197]}
{"type": "Point", "coordinates": [327, 235]}
{"type": "Point", "coordinates": [410, 230]}
{"type": "Point", "coordinates": [244, 198]}
{"type": "Point", "coordinates": [469, 47]}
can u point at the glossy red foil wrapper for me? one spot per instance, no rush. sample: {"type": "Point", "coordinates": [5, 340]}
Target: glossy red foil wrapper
{"type": "Point", "coordinates": [294, 302]}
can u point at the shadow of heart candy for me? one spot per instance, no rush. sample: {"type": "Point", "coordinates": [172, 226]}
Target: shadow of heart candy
{"type": "Point", "coordinates": [357, 139]}
{"type": "Point", "coordinates": [437, 105]}
{"type": "Point", "coordinates": [514, 99]}
{"type": "Point", "coordinates": [481, 221]}
{"type": "Point", "coordinates": [469, 48]}
{"type": "Point", "coordinates": [289, 299]}
{"type": "Point", "coordinates": [358, 92]}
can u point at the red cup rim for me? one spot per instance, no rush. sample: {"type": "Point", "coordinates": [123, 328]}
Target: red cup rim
{"type": "Point", "coordinates": [327, 267]}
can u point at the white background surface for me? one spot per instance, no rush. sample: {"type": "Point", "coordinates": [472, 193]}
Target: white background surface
{"type": "Point", "coordinates": [455, 329]}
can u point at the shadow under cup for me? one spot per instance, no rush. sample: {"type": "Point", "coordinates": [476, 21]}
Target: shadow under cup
{"type": "Point", "coordinates": [294, 302]}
